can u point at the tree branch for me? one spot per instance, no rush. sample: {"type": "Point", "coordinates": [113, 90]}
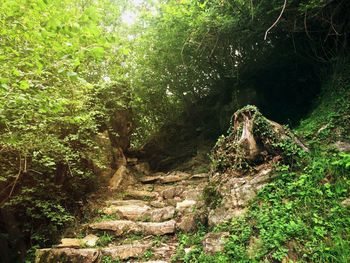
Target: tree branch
{"type": "Point", "coordinates": [279, 17]}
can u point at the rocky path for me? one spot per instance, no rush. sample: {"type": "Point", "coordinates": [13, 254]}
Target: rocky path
{"type": "Point", "coordinates": [139, 221]}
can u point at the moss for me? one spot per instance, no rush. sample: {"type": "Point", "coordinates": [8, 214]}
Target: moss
{"type": "Point", "coordinates": [211, 196]}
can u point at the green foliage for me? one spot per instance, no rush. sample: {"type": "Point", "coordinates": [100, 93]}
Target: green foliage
{"type": "Point", "coordinates": [107, 259]}
{"type": "Point", "coordinates": [193, 242]}
{"type": "Point", "coordinates": [105, 217]}
{"type": "Point", "coordinates": [343, 161]}
{"type": "Point", "coordinates": [211, 196]}
{"type": "Point", "coordinates": [299, 217]}
{"type": "Point", "coordinates": [105, 239]}
{"type": "Point", "coordinates": [148, 254]}
{"type": "Point", "coordinates": [57, 58]}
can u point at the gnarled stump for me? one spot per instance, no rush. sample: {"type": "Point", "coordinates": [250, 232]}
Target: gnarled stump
{"type": "Point", "coordinates": [243, 162]}
{"type": "Point", "coordinates": [253, 139]}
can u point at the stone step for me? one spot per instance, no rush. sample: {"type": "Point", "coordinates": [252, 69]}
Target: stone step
{"type": "Point", "coordinates": [141, 212]}
{"type": "Point", "coordinates": [174, 177]}
{"type": "Point", "coordinates": [88, 241]}
{"type": "Point", "coordinates": [126, 202]}
{"type": "Point", "coordinates": [149, 179]}
{"type": "Point", "coordinates": [123, 227]}
{"type": "Point", "coordinates": [140, 195]}
{"type": "Point", "coordinates": [92, 255]}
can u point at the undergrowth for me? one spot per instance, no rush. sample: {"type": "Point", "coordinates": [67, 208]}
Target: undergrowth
{"type": "Point", "coordinates": [301, 216]}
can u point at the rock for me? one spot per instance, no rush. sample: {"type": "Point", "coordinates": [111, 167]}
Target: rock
{"type": "Point", "coordinates": [119, 227]}
{"type": "Point", "coordinates": [157, 204]}
{"type": "Point", "coordinates": [161, 214]}
{"type": "Point", "coordinates": [71, 242]}
{"type": "Point", "coordinates": [90, 240]}
{"type": "Point", "coordinates": [171, 192]}
{"type": "Point", "coordinates": [122, 227]}
{"type": "Point", "coordinates": [162, 228]}
{"type": "Point", "coordinates": [165, 251]}
{"type": "Point", "coordinates": [118, 177]}
{"type": "Point", "coordinates": [148, 179]}
{"type": "Point", "coordinates": [185, 206]}
{"type": "Point", "coordinates": [143, 195]}
{"type": "Point", "coordinates": [141, 212]}
{"type": "Point", "coordinates": [193, 194]}
{"type": "Point", "coordinates": [90, 255]}
{"type": "Point", "coordinates": [342, 146]}
{"type": "Point", "coordinates": [215, 242]}
{"type": "Point", "coordinates": [187, 223]}
{"type": "Point", "coordinates": [129, 212]}
{"type": "Point", "coordinates": [224, 214]}
{"type": "Point", "coordinates": [174, 177]}
{"type": "Point", "coordinates": [126, 202]}
{"type": "Point", "coordinates": [200, 176]}
{"type": "Point", "coordinates": [346, 202]}
{"type": "Point", "coordinates": [236, 193]}
{"type": "Point", "coordinates": [124, 252]}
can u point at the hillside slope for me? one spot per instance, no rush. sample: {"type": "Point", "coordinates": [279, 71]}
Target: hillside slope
{"type": "Point", "coordinates": [303, 215]}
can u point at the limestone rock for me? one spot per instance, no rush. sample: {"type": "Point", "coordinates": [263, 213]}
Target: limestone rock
{"type": "Point", "coordinates": [89, 255]}
{"type": "Point", "coordinates": [171, 192]}
{"type": "Point", "coordinates": [142, 195]}
{"type": "Point", "coordinates": [157, 204]}
{"type": "Point", "coordinates": [92, 255]}
{"type": "Point", "coordinates": [161, 228]}
{"type": "Point", "coordinates": [127, 251]}
{"type": "Point", "coordinates": [71, 242]}
{"type": "Point", "coordinates": [236, 193]}
{"type": "Point", "coordinates": [187, 223]}
{"type": "Point", "coordinates": [185, 206]}
{"type": "Point", "coordinates": [200, 176]}
{"type": "Point", "coordinates": [149, 179]}
{"type": "Point", "coordinates": [224, 214]}
{"type": "Point", "coordinates": [129, 212]}
{"type": "Point", "coordinates": [174, 177]}
{"type": "Point", "coordinates": [343, 146]}
{"type": "Point", "coordinates": [141, 212]}
{"type": "Point", "coordinates": [161, 214]}
{"type": "Point", "coordinates": [122, 227]}
{"type": "Point", "coordinates": [214, 242]}
{"type": "Point", "coordinates": [90, 240]}
{"type": "Point", "coordinates": [346, 202]}
{"type": "Point", "coordinates": [126, 202]}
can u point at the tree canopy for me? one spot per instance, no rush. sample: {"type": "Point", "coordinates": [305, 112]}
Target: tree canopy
{"type": "Point", "coordinates": [68, 66]}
